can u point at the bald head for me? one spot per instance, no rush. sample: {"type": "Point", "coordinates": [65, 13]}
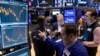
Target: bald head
{"type": "Point", "coordinates": [60, 18]}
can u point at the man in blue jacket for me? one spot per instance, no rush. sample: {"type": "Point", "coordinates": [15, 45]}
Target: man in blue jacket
{"type": "Point", "coordinates": [69, 45]}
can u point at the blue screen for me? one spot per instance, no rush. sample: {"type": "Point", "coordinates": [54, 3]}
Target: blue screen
{"type": "Point", "coordinates": [14, 35]}
{"type": "Point", "coordinates": [13, 25]}
{"type": "Point", "coordinates": [69, 13]}
{"type": "Point", "coordinates": [69, 19]}
{"type": "Point", "coordinates": [70, 16]}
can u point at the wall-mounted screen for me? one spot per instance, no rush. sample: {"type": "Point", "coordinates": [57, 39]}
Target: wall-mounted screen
{"type": "Point", "coordinates": [70, 16]}
{"type": "Point", "coordinates": [69, 20]}
{"type": "Point", "coordinates": [13, 25]}
{"type": "Point", "coordinates": [69, 12]}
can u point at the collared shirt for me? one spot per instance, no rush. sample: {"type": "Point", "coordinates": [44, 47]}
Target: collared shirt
{"type": "Point", "coordinates": [69, 45]}
{"type": "Point", "coordinates": [92, 23]}
{"type": "Point", "coordinates": [59, 28]}
{"type": "Point", "coordinates": [65, 51]}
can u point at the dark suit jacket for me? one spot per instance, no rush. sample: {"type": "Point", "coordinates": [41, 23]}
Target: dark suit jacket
{"type": "Point", "coordinates": [41, 48]}
{"type": "Point", "coordinates": [76, 50]}
{"type": "Point", "coordinates": [54, 27]}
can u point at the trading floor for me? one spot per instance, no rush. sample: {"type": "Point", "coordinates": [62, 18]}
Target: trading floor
{"type": "Point", "coordinates": [49, 27]}
{"type": "Point", "coordinates": [32, 44]}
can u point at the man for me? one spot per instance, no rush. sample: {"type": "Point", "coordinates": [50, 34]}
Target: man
{"type": "Point", "coordinates": [80, 27]}
{"type": "Point", "coordinates": [91, 34]}
{"type": "Point", "coordinates": [60, 21]}
{"type": "Point", "coordinates": [56, 28]}
{"type": "Point", "coordinates": [41, 48]}
{"type": "Point", "coordinates": [69, 46]}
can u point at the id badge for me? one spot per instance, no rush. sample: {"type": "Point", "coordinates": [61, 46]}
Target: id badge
{"type": "Point", "coordinates": [89, 29]}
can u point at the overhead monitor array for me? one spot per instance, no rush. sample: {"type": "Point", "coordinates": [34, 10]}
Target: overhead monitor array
{"type": "Point", "coordinates": [69, 15]}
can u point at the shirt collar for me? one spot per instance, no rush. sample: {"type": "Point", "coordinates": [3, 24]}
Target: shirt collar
{"type": "Point", "coordinates": [92, 22]}
{"type": "Point", "coordinates": [70, 45]}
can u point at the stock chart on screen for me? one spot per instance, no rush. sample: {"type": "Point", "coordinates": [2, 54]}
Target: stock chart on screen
{"type": "Point", "coordinates": [12, 13]}
{"type": "Point", "coordinates": [13, 24]}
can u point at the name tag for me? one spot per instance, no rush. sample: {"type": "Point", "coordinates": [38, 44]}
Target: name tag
{"type": "Point", "coordinates": [66, 52]}
{"type": "Point", "coordinates": [81, 28]}
{"type": "Point", "coordinates": [89, 29]}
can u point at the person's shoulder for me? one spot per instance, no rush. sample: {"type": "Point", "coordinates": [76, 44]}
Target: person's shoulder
{"type": "Point", "coordinates": [79, 46]}
{"type": "Point", "coordinates": [80, 49]}
{"type": "Point", "coordinates": [35, 27]}
{"type": "Point", "coordinates": [59, 42]}
{"type": "Point", "coordinates": [97, 29]}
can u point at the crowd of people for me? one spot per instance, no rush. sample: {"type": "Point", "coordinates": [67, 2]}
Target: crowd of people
{"type": "Point", "coordinates": [63, 39]}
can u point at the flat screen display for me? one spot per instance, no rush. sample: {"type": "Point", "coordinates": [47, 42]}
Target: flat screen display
{"type": "Point", "coordinates": [69, 13]}
{"type": "Point", "coordinates": [13, 25]}
{"type": "Point", "coordinates": [69, 20]}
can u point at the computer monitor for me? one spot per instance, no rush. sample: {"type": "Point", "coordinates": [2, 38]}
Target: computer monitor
{"type": "Point", "coordinates": [69, 12]}
{"type": "Point", "coordinates": [69, 20]}
{"type": "Point", "coordinates": [13, 25]}
{"type": "Point", "coordinates": [70, 16]}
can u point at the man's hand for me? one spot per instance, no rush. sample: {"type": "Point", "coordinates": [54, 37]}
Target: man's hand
{"type": "Point", "coordinates": [42, 34]}
{"type": "Point", "coordinates": [52, 33]}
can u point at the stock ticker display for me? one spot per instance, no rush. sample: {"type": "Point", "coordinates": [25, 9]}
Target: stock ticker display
{"type": "Point", "coordinates": [13, 25]}
{"type": "Point", "coordinates": [12, 13]}
{"type": "Point", "coordinates": [14, 35]}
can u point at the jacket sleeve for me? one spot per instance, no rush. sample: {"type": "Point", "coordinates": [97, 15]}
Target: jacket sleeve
{"type": "Point", "coordinates": [51, 43]}
{"type": "Point", "coordinates": [81, 54]}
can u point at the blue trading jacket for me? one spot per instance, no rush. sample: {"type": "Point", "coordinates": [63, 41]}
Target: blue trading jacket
{"type": "Point", "coordinates": [75, 50]}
